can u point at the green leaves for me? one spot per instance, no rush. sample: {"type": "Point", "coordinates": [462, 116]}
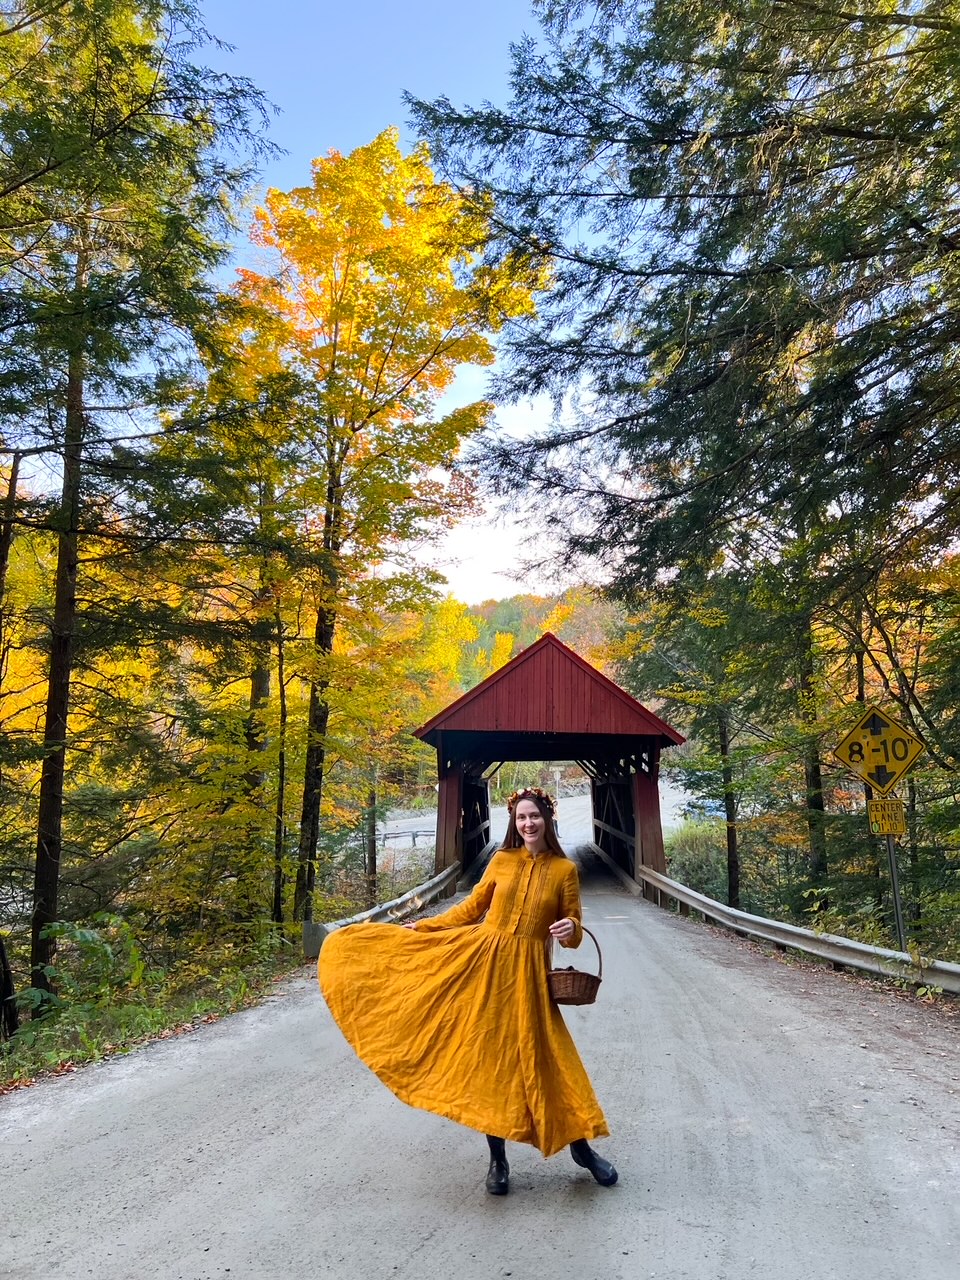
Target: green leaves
{"type": "Point", "coordinates": [749, 221]}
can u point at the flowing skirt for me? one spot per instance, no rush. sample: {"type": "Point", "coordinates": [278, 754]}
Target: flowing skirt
{"type": "Point", "coordinates": [460, 1022]}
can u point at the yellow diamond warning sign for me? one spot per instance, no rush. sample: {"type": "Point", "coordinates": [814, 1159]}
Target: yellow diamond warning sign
{"type": "Point", "coordinates": [879, 750]}
{"type": "Point", "coordinates": [887, 817]}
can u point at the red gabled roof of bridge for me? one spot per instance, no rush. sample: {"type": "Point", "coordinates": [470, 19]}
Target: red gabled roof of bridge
{"type": "Point", "coordinates": [547, 688]}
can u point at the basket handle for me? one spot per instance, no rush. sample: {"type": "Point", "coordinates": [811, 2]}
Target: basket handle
{"type": "Point", "coordinates": [596, 944]}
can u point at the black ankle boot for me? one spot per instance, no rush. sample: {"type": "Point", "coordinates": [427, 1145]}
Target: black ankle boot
{"type": "Point", "coordinates": [498, 1175]}
{"type": "Point", "coordinates": [585, 1156]}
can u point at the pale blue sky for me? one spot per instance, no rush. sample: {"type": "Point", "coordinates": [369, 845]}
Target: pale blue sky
{"type": "Point", "coordinates": [337, 73]}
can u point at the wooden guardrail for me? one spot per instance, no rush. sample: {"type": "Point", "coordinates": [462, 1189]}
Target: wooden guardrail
{"type": "Point", "coordinates": [396, 909]}
{"type": "Point", "coordinates": [828, 946]}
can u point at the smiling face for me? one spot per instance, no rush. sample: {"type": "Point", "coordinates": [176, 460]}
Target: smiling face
{"type": "Point", "coordinates": [530, 825]}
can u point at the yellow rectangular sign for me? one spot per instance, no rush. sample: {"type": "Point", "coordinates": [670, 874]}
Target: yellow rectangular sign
{"type": "Point", "coordinates": [887, 817]}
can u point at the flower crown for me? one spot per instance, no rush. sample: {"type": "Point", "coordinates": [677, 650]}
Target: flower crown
{"type": "Point", "coordinates": [528, 793]}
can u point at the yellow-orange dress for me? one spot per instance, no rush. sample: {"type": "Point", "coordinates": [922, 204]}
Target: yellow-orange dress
{"type": "Point", "coordinates": [454, 1016]}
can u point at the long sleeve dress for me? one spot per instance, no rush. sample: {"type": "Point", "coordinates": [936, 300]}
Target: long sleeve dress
{"type": "Point", "coordinates": [455, 1016]}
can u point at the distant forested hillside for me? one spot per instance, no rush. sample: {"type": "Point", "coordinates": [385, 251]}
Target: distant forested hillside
{"type": "Point", "coordinates": [578, 617]}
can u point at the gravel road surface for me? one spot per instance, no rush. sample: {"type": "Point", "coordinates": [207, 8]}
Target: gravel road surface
{"type": "Point", "coordinates": [769, 1119]}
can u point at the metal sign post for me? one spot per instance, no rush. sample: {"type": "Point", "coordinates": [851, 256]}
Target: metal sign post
{"type": "Point", "coordinates": [895, 884]}
{"type": "Point", "coordinates": [880, 751]}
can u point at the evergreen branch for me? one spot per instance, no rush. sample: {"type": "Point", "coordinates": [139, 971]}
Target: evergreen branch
{"type": "Point", "coordinates": [909, 20]}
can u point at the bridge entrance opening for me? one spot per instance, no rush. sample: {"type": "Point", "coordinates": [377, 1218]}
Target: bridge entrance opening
{"type": "Point", "coordinates": [548, 704]}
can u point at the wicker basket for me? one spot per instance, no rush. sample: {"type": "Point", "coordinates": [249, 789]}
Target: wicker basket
{"type": "Point", "coordinates": [573, 986]}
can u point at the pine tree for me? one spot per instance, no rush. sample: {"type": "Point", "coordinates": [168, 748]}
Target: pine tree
{"type": "Point", "coordinates": [118, 172]}
{"type": "Point", "coordinates": [753, 235]}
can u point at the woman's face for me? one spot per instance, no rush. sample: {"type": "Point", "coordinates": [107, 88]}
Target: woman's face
{"type": "Point", "coordinates": [530, 824]}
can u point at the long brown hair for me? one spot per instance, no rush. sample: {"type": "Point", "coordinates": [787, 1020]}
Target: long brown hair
{"type": "Point", "coordinates": [514, 840]}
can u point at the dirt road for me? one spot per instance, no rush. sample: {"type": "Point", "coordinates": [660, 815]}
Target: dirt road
{"type": "Point", "coordinates": [769, 1120]}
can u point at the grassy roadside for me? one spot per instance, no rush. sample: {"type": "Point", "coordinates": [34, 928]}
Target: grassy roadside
{"type": "Point", "coordinates": [87, 1027]}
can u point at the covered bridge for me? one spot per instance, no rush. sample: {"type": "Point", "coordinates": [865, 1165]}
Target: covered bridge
{"type": "Point", "coordinates": [548, 704]}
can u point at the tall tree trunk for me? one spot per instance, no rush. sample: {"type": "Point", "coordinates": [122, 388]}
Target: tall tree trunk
{"type": "Point", "coordinates": [813, 777]}
{"type": "Point", "coordinates": [63, 631]}
{"type": "Point", "coordinates": [317, 720]}
{"type": "Point", "coordinates": [262, 639]}
{"type": "Point", "coordinates": [279, 826]}
{"type": "Point", "coordinates": [251, 888]}
{"type": "Point", "coordinates": [9, 1018]}
{"type": "Point", "coordinates": [876, 874]}
{"type": "Point", "coordinates": [813, 773]}
{"type": "Point", "coordinates": [913, 848]}
{"type": "Point", "coordinates": [6, 541]}
{"type": "Point", "coordinates": [259, 697]}
{"type": "Point", "coordinates": [730, 811]}
{"type": "Point", "coordinates": [318, 716]}
{"type": "Point", "coordinates": [370, 844]}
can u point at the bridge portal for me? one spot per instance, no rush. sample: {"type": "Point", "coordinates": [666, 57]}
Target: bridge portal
{"type": "Point", "coordinates": [547, 703]}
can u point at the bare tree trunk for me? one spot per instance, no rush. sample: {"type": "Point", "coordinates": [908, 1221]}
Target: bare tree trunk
{"type": "Point", "coordinates": [6, 541]}
{"type": "Point", "coordinates": [876, 874]}
{"type": "Point", "coordinates": [251, 889]}
{"type": "Point", "coordinates": [318, 716]}
{"type": "Point", "coordinates": [9, 1018]}
{"type": "Point", "coordinates": [279, 826]}
{"type": "Point", "coordinates": [259, 697]}
{"type": "Point", "coordinates": [813, 776]}
{"type": "Point", "coordinates": [370, 845]}
{"type": "Point", "coordinates": [317, 720]}
{"type": "Point", "coordinates": [913, 848]}
{"type": "Point", "coordinates": [63, 631]}
{"type": "Point", "coordinates": [813, 773]}
{"type": "Point", "coordinates": [730, 812]}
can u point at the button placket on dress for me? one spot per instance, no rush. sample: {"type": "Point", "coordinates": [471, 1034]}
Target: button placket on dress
{"type": "Point", "coordinates": [532, 873]}
{"type": "Point", "coordinates": [520, 898]}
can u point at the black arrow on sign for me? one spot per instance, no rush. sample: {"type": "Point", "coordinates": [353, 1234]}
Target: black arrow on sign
{"type": "Point", "coordinates": [876, 724]}
{"type": "Point", "coordinates": [882, 777]}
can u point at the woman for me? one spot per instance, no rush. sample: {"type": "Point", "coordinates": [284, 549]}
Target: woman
{"type": "Point", "coordinates": [454, 1015]}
